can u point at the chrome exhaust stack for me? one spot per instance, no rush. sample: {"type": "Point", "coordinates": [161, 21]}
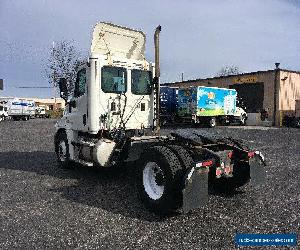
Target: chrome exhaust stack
{"type": "Point", "coordinates": [156, 78]}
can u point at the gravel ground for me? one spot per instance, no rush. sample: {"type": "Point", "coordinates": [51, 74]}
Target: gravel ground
{"type": "Point", "coordinates": [43, 206]}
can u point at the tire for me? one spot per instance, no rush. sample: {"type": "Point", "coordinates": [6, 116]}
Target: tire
{"type": "Point", "coordinates": [159, 179]}
{"type": "Point", "coordinates": [186, 162]}
{"type": "Point", "coordinates": [243, 120]}
{"type": "Point", "coordinates": [212, 122]}
{"type": "Point", "coordinates": [297, 123]}
{"type": "Point", "coordinates": [62, 150]}
{"type": "Point", "coordinates": [241, 176]}
{"type": "Point", "coordinates": [184, 157]}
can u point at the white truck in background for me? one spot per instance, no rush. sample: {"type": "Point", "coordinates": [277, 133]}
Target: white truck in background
{"type": "Point", "coordinates": [40, 111]}
{"type": "Point", "coordinates": [113, 118]}
{"type": "Point", "coordinates": [20, 108]}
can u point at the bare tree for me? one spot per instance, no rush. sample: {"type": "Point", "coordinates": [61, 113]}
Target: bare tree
{"type": "Point", "coordinates": [63, 62]}
{"type": "Point", "coordinates": [229, 70]}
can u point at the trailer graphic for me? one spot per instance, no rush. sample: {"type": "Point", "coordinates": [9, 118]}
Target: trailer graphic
{"type": "Point", "coordinates": [215, 101]}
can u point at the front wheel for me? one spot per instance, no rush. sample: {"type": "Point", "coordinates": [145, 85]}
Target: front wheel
{"type": "Point", "coordinates": [62, 150]}
{"type": "Point", "coordinates": [243, 120]}
{"type": "Point", "coordinates": [159, 180]}
{"type": "Point", "coordinates": [212, 122]}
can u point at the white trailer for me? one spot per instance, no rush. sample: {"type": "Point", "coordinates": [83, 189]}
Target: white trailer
{"type": "Point", "coordinates": [113, 118]}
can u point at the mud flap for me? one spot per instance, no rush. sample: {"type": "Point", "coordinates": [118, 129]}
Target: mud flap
{"type": "Point", "coordinates": [195, 193]}
{"type": "Point", "coordinates": [257, 169]}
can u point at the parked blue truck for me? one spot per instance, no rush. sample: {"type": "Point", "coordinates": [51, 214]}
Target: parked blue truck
{"type": "Point", "coordinates": [168, 105]}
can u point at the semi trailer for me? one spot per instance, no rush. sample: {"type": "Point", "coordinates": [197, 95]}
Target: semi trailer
{"type": "Point", "coordinates": [113, 118]}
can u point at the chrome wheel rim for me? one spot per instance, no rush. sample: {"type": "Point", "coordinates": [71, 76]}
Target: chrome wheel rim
{"type": "Point", "coordinates": [150, 174]}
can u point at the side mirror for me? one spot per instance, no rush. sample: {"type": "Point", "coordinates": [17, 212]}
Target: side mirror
{"type": "Point", "coordinates": [63, 89]}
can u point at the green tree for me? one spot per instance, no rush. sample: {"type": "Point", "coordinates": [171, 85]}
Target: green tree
{"type": "Point", "coordinates": [64, 59]}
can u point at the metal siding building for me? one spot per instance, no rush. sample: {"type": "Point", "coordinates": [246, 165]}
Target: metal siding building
{"type": "Point", "coordinates": [259, 90]}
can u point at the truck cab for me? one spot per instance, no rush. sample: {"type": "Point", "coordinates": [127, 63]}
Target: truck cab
{"type": "Point", "coordinates": [113, 90]}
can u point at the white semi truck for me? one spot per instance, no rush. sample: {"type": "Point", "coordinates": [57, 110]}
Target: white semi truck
{"type": "Point", "coordinates": [113, 118]}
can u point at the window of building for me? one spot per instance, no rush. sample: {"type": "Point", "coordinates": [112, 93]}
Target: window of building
{"type": "Point", "coordinates": [113, 79]}
{"type": "Point", "coordinates": [80, 83]}
{"type": "Point", "coordinates": [141, 82]}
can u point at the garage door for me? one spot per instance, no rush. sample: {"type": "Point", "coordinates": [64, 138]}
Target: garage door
{"type": "Point", "coordinates": [252, 95]}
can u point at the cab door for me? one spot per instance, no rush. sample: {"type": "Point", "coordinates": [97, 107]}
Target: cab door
{"type": "Point", "coordinates": [78, 104]}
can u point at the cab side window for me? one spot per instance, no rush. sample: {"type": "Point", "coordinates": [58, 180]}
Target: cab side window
{"type": "Point", "coordinates": [80, 83]}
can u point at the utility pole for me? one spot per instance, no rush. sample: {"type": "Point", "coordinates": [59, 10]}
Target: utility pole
{"type": "Point", "coordinates": [53, 75]}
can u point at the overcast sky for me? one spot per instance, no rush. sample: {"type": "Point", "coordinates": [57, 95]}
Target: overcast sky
{"type": "Point", "coordinates": [198, 37]}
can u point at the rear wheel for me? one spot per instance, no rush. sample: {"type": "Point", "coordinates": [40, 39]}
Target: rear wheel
{"type": "Point", "coordinates": [241, 176]}
{"type": "Point", "coordinates": [159, 179]}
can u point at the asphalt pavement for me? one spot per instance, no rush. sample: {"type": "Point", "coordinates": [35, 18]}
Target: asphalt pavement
{"type": "Point", "coordinates": [45, 207]}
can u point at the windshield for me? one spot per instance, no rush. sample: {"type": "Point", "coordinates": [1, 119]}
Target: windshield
{"type": "Point", "coordinates": [113, 79]}
{"type": "Point", "coordinates": [141, 83]}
